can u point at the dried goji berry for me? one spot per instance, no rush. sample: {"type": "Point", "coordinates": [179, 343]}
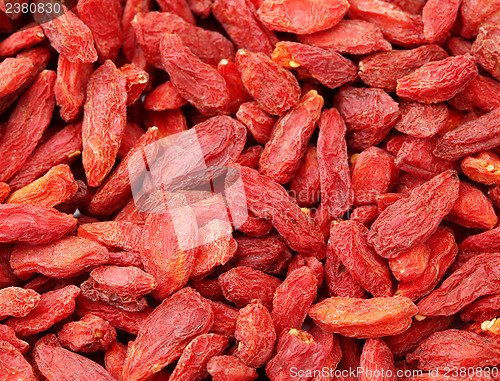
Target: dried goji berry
{"type": "Point", "coordinates": [422, 120]}
{"type": "Point", "coordinates": [339, 280]}
{"type": "Point", "coordinates": [438, 17]}
{"type": "Point", "coordinates": [63, 258]}
{"type": "Point", "coordinates": [472, 208]}
{"type": "Point", "coordinates": [250, 157]}
{"type": "Point", "coordinates": [192, 364]}
{"type": "Point", "coordinates": [166, 332]}
{"type": "Point", "coordinates": [406, 342]}
{"type": "Point", "coordinates": [364, 318]}
{"type": "Point", "coordinates": [15, 72]}
{"type": "Point", "coordinates": [419, 214]}
{"type": "Point", "coordinates": [300, 260]}
{"type": "Point", "coordinates": [258, 122]}
{"type": "Point", "coordinates": [126, 282]}
{"type": "Point", "coordinates": [268, 254]}
{"type": "Point", "coordinates": [368, 113]}
{"type": "Point", "coordinates": [485, 308]}
{"type": "Point", "coordinates": [40, 58]}
{"type": "Point", "coordinates": [476, 278]}
{"type": "Point", "coordinates": [293, 298]}
{"type": "Point", "coordinates": [470, 137]}
{"type": "Point", "coordinates": [243, 284]}
{"type": "Point", "coordinates": [115, 190]}
{"type": "Point", "coordinates": [328, 67]}
{"type": "Point", "coordinates": [164, 97]}
{"type": "Point", "coordinates": [13, 365]}
{"type": "Point", "coordinates": [283, 153]}
{"type": "Point", "coordinates": [123, 235]}
{"type": "Point", "coordinates": [416, 157]}
{"type": "Point", "coordinates": [301, 17]}
{"type": "Point", "coordinates": [373, 173]}
{"type": "Point", "coordinates": [237, 92]}
{"type": "Point", "coordinates": [398, 26]}
{"type": "Point", "coordinates": [55, 187]}
{"type": "Point", "coordinates": [349, 36]}
{"type": "Point", "coordinates": [224, 319]}
{"type": "Point", "coordinates": [4, 191]}
{"type": "Point", "coordinates": [268, 199]}
{"type": "Point", "coordinates": [132, 8]}
{"type": "Point", "coordinates": [70, 37]}
{"type": "Point", "coordinates": [89, 334]}
{"type": "Point", "coordinates": [23, 39]}
{"type": "Point", "coordinates": [438, 81]}
{"type": "Point", "coordinates": [296, 350]}
{"type": "Point", "coordinates": [482, 93]}
{"type": "Point", "coordinates": [137, 80]}
{"type": "Point", "coordinates": [255, 226]}
{"type": "Point", "coordinates": [104, 118]}
{"type": "Point", "coordinates": [168, 251]}
{"type": "Point", "coordinates": [26, 124]}
{"type": "Point", "coordinates": [62, 148]}
{"type": "Point", "coordinates": [8, 335]}
{"type": "Point", "coordinates": [410, 264]}
{"type": "Point", "coordinates": [255, 334]}
{"type": "Point", "coordinates": [216, 247]}
{"type": "Point", "coordinates": [17, 302]}
{"type": "Point", "coordinates": [454, 348]}
{"type": "Point", "coordinates": [129, 213]}
{"type": "Point", "coordinates": [114, 359]}
{"type": "Point", "coordinates": [305, 185]}
{"type": "Point", "coordinates": [200, 8]}
{"type": "Point", "coordinates": [387, 199]}
{"type": "Point", "coordinates": [57, 363]}
{"type": "Point", "coordinates": [197, 82]}
{"type": "Point", "coordinates": [32, 224]}
{"type": "Point", "coordinates": [377, 360]}
{"type": "Point", "coordinates": [365, 214]}
{"type": "Point", "coordinates": [485, 49]}
{"type": "Point", "coordinates": [477, 13]}
{"type": "Point", "coordinates": [384, 69]}
{"type": "Point", "coordinates": [458, 46]}
{"type": "Point", "coordinates": [128, 321]}
{"type": "Point", "coordinates": [332, 345]}
{"type": "Point", "coordinates": [251, 34]}
{"type": "Point", "coordinates": [348, 241]}
{"type": "Point", "coordinates": [210, 47]}
{"type": "Point", "coordinates": [230, 368]}
{"type": "Point", "coordinates": [69, 90]}
{"type": "Point", "coordinates": [53, 307]}
{"type": "Point", "coordinates": [336, 190]}
{"type": "Point", "coordinates": [103, 19]}
{"type": "Point", "coordinates": [131, 134]}
{"type": "Point", "coordinates": [275, 89]}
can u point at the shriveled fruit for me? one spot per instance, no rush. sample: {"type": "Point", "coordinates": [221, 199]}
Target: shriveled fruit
{"type": "Point", "coordinates": [282, 154]}
{"type": "Point", "coordinates": [104, 118]}
{"type": "Point", "coordinates": [166, 332]}
{"type": "Point", "coordinates": [419, 215]}
{"type": "Point", "coordinates": [255, 334]}
{"type": "Point", "coordinates": [349, 36]}
{"type": "Point", "coordinates": [197, 82]}
{"type": "Point", "coordinates": [275, 89]}
{"type": "Point", "coordinates": [438, 81]}
{"type": "Point", "coordinates": [364, 318]}
{"type": "Point", "coordinates": [302, 17]}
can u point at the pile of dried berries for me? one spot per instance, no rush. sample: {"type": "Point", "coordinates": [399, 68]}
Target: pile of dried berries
{"type": "Point", "coordinates": [250, 189]}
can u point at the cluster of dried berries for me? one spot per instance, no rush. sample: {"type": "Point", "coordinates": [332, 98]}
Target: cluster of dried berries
{"type": "Point", "coordinates": [364, 136]}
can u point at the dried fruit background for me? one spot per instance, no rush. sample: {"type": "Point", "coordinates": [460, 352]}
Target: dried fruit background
{"type": "Point", "coordinates": [364, 135]}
